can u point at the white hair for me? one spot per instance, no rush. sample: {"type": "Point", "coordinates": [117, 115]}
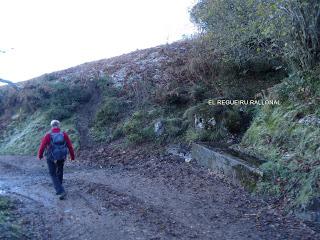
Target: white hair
{"type": "Point", "coordinates": [55, 123]}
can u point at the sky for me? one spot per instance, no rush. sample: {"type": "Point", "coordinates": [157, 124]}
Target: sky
{"type": "Point", "coordinates": [42, 36]}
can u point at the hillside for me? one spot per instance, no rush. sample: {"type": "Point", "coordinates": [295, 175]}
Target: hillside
{"type": "Point", "coordinates": [153, 141]}
{"type": "Point", "coordinates": [113, 98]}
{"type": "Point", "coordinates": [124, 112]}
{"type": "Point", "coordinates": [86, 82]}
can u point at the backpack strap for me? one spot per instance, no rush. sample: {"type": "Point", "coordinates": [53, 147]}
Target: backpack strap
{"type": "Point", "coordinates": [50, 133]}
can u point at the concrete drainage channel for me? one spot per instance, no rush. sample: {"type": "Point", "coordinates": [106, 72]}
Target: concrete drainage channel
{"type": "Point", "coordinates": [242, 170]}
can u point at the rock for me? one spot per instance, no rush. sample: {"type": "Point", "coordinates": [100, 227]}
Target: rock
{"type": "Point", "coordinates": [159, 128]}
{"type": "Point", "coordinates": [288, 156]}
{"type": "Point", "coordinates": [179, 151]}
{"type": "Point", "coordinates": [102, 74]}
{"type": "Point", "coordinates": [199, 122]}
{"type": "Point", "coordinates": [310, 120]}
{"type": "Point", "coordinates": [212, 122]}
{"type": "Point", "coordinates": [188, 158]}
{"type": "Point", "coordinates": [100, 150]}
{"type": "Point", "coordinates": [15, 117]}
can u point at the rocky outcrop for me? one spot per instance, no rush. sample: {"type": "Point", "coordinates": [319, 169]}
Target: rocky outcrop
{"type": "Point", "coordinates": [158, 65]}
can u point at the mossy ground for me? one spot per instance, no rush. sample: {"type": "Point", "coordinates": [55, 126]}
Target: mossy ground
{"type": "Point", "coordinates": [8, 228]}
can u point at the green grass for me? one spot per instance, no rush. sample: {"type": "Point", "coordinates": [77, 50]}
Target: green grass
{"type": "Point", "coordinates": [8, 228]}
{"type": "Point", "coordinates": [291, 148]}
{"type": "Point", "coordinates": [109, 119]}
{"type": "Point", "coordinates": [23, 136]}
{"type": "Point", "coordinates": [139, 128]}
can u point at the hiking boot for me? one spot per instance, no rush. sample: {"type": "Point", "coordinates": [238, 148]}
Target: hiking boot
{"type": "Point", "coordinates": [62, 195]}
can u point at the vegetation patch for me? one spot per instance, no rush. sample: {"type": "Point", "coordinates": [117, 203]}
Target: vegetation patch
{"type": "Point", "coordinates": [139, 128]}
{"type": "Point", "coordinates": [288, 136]}
{"type": "Point", "coordinates": [64, 100]}
{"type": "Point", "coordinates": [23, 135]}
{"type": "Point", "coordinates": [8, 228]}
{"type": "Point", "coordinates": [109, 119]}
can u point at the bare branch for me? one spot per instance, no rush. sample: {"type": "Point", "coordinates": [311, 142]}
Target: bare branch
{"type": "Point", "coordinates": [10, 83]}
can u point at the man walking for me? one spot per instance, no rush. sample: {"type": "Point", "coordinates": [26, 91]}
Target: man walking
{"type": "Point", "coordinates": [56, 144]}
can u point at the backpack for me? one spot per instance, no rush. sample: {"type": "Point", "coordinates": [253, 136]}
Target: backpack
{"type": "Point", "coordinates": [58, 147]}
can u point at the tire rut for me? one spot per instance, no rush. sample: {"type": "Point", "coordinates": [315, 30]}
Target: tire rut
{"type": "Point", "coordinates": [144, 214]}
{"type": "Point", "coordinates": [138, 203]}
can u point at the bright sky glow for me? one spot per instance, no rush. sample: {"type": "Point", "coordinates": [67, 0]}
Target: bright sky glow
{"type": "Point", "coordinates": [41, 36]}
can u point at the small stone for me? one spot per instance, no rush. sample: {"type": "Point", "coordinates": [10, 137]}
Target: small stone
{"type": "Point", "coordinates": [310, 120]}
{"type": "Point", "coordinates": [159, 128]}
{"type": "Point", "coordinates": [212, 122]}
{"type": "Point", "coordinates": [198, 122]}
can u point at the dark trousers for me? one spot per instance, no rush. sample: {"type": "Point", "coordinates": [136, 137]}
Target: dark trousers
{"type": "Point", "coordinates": [56, 173]}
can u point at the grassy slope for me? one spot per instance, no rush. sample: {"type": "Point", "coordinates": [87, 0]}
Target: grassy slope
{"type": "Point", "coordinates": [131, 111]}
{"type": "Point", "coordinates": [23, 136]}
{"type": "Point", "coordinates": [287, 137]}
{"type": "Point", "coordinates": [169, 83]}
{"type": "Point", "coordinates": [166, 83]}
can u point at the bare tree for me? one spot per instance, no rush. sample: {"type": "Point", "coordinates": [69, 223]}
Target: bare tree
{"type": "Point", "coordinates": [10, 83]}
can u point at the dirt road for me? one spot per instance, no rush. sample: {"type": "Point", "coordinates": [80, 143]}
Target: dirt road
{"type": "Point", "coordinates": [156, 199]}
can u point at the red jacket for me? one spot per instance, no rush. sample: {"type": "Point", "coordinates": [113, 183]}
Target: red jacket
{"type": "Point", "coordinates": [46, 141]}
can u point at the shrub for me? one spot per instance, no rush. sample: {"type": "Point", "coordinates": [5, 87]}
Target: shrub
{"type": "Point", "coordinates": [107, 87]}
{"type": "Point", "coordinates": [107, 124]}
{"type": "Point", "coordinates": [59, 112]}
{"type": "Point", "coordinates": [232, 121]}
{"type": "Point", "coordinates": [199, 92]}
{"type": "Point", "coordinates": [174, 127]}
{"type": "Point", "coordinates": [172, 96]}
{"type": "Point", "coordinates": [139, 127]}
{"type": "Point", "coordinates": [63, 94]}
{"type": "Point", "coordinates": [250, 30]}
{"type": "Point", "coordinates": [112, 110]}
{"type": "Point", "coordinates": [217, 134]}
{"type": "Point", "coordinates": [118, 132]}
{"type": "Point", "coordinates": [63, 100]}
